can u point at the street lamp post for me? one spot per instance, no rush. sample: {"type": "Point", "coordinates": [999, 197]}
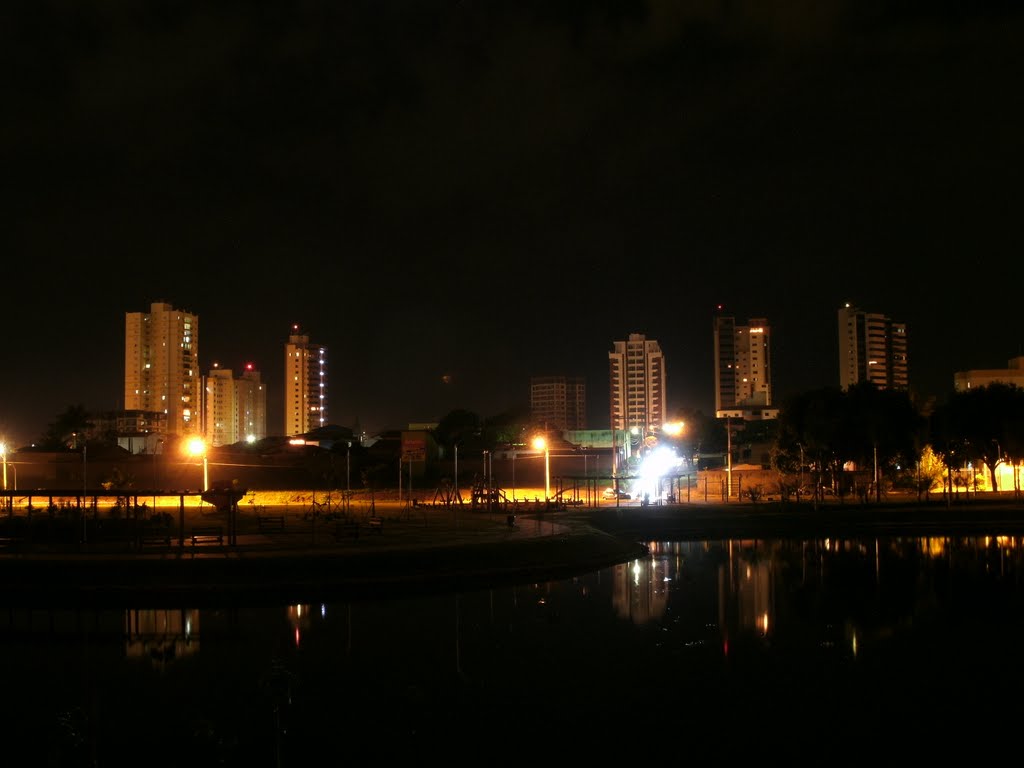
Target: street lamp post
{"type": "Point", "coordinates": [197, 447]}
{"type": "Point", "coordinates": [541, 443]}
{"type": "Point", "coordinates": [7, 501]}
{"type": "Point", "coordinates": [728, 458]}
{"type": "Point", "coordinates": [513, 474]}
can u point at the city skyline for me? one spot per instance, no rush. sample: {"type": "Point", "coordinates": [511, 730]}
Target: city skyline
{"type": "Point", "coordinates": [601, 407]}
{"type": "Point", "coordinates": [455, 198]}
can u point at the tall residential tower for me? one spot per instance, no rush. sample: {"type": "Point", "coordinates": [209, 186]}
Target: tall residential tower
{"type": "Point", "coordinates": [559, 402]}
{"type": "Point", "coordinates": [305, 384]}
{"type": "Point", "coordinates": [235, 408]}
{"type": "Point", "coordinates": [161, 366]}
{"type": "Point", "coordinates": [871, 348]}
{"type": "Point", "coordinates": [743, 370]}
{"type": "Point", "coordinates": [636, 378]}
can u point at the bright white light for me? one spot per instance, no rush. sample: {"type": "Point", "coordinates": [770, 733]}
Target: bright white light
{"type": "Point", "coordinates": [658, 463]}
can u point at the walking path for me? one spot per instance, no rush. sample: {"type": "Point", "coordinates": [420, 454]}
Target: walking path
{"type": "Point", "coordinates": [415, 549]}
{"type": "Point", "coordinates": [426, 548]}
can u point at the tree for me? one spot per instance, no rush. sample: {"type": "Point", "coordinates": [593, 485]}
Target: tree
{"type": "Point", "coordinates": [977, 424]}
{"type": "Point", "coordinates": [68, 431]}
{"type": "Point", "coordinates": [884, 428]}
{"type": "Point", "coordinates": [458, 427]}
{"type": "Point", "coordinates": [863, 426]}
{"type": "Point", "coordinates": [811, 425]}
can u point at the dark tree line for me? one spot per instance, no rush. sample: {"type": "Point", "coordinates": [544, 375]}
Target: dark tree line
{"type": "Point", "coordinates": [864, 427]}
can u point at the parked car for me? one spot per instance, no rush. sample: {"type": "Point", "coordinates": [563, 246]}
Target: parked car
{"type": "Point", "coordinates": [610, 493]}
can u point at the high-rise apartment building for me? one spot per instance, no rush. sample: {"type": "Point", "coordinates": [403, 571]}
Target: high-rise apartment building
{"type": "Point", "coordinates": [636, 377]}
{"type": "Point", "coordinates": [251, 397]}
{"type": "Point", "coordinates": [219, 407]}
{"type": "Point", "coordinates": [560, 402]}
{"type": "Point", "coordinates": [305, 384]}
{"type": "Point", "coordinates": [161, 366]}
{"type": "Point", "coordinates": [743, 369]}
{"type": "Point", "coordinates": [235, 409]}
{"type": "Point", "coordinates": [871, 348]}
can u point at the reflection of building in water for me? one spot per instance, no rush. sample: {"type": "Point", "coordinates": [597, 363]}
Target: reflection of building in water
{"type": "Point", "coordinates": [161, 635]}
{"type": "Point", "coordinates": [640, 590]}
{"type": "Point", "coordinates": [300, 617]}
{"type": "Point", "coordinates": [746, 590]}
{"type": "Point", "coordinates": [743, 593]}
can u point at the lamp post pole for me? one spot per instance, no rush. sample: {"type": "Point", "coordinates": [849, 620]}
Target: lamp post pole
{"type": "Point", "coordinates": [728, 458]}
{"type": "Point", "coordinates": [156, 482]}
{"type": "Point", "coordinates": [197, 447]}
{"type": "Point", "coordinates": [85, 485]}
{"type": "Point", "coordinates": [513, 474]}
{"type": "Point", "coordinates": [547, 472]}
{"type": "Point", "coordinates": [541, 443]}
{"type": "Point", "coordinates": [615, 455]}
{"type": "Point", "coordinates": [3, 452]}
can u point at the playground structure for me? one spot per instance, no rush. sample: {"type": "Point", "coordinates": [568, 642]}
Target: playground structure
{"type": "Point", "coordinates": [487, 496]}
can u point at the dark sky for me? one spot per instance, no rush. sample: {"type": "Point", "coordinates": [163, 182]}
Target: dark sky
{"type": "Point", "coordinates": [493, 190]}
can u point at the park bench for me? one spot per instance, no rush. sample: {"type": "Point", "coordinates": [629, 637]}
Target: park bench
{"type": "Point", "coordinates": [211, 535]}
{"type": "Point", "coordinates": [346, 529]}
{"type": "Point", "coordinates": [270, 523]}
{"type": "Point", "coordinates": [155, 539]}
{"type": "Point", "coordinates": [376, 524]}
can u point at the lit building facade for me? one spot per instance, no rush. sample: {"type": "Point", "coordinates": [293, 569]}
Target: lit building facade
{"type": "Point", "coordinates": [219, 389]}
{"type": "Point", "coordinates": [305, 384]}
{"type": "Point", "coordinates": [1012, 374]}
{"type": "Point", "coordinates": [161, 366]}
{"type": "Point", "coordinates": [251, 397]}
{"type": "Point", "coordinates": [637, 387]}
{"type": "Point", "coordinates": [134, 431]}
{"type": "Point", "coordinates": [559, 402]}
{"type": "Point", "coordinates": [235, 409]}
{"type": "Point", "coordinates": [743, 367]}
{"type": "Point", "coordinates": [872, 348]}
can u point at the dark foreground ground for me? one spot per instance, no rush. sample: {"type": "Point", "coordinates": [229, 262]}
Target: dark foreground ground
{"type": "Point", "coordinates": [425, 551]}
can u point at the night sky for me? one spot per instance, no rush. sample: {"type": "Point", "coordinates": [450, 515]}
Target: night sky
{"type": "Point", "coordinates": [455, 196]}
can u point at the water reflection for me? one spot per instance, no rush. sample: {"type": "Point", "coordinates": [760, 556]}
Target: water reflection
{"type": "Point", "coordinates": [846, 641]}
{"type": "Point", "coordinates": [161, 636]}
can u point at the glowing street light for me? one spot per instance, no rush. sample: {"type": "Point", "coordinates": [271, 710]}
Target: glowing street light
{"type": "Point", "coordinates": [541, 444]}
{"type": "Point", "coordinates": [674, 428]}
{"type": "Point", "coordinates": [197, 447]}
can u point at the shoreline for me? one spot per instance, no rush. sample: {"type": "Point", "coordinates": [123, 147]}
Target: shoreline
{"type": "Point", "coordinates": [441, 552]}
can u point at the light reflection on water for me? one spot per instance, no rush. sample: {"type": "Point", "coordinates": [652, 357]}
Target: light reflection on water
{"type": "Point", "coordinates": [773, 646]}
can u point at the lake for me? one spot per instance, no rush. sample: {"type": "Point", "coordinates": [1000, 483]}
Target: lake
{"type": "Point", "coordinates": [767, 650]}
